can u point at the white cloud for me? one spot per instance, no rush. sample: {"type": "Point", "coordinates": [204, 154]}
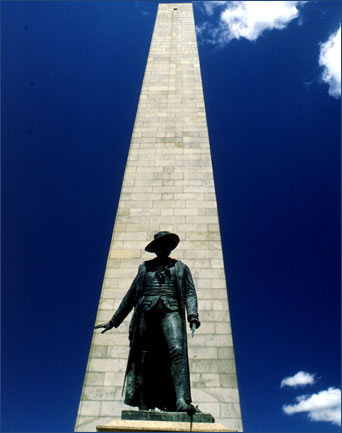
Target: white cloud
{"type": "Point", "coordinates": [299, 379]}
{"type": "Point", "coordinates": [324, 406]}
{"type": "Point", "coordinates": [209, 6]}
{"type": "Point", "coordinates": [249, 19]}
{"type": "Point", "coordinates": [330, 59]}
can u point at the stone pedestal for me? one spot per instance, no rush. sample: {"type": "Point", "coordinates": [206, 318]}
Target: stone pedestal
{"type": "Point", "coordinates": [119, 425]}
{"type": "Point", "coordinates": [155, 421]}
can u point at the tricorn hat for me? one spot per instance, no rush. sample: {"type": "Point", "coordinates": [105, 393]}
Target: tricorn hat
{"type": "Point", "coordinates": [162, 239]}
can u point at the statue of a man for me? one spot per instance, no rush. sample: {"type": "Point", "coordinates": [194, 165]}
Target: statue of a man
{"type": "Point", "coordinates": [157, 374]}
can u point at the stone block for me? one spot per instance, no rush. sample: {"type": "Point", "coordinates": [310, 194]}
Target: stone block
{"type": "Point", "coordinates": [102, 316]}
{"type": "Point", "coordinates": [199, 263]}
{"type": "Point", "coordinates": [90, 408]}
{"type": "Point", "coordinates": [212, 366]}
{"type": "Point", "coordinates": [124, 273]}
{"type": "Point", "coordinates": [213, 305]}
{"type": "Point", "coordinates": [102, 393]}
{"type": "Point", "coordinates": [118, 352]}
{"type": "Point", "coordinates": [223, 328]}
{"type": "Point", "coordinates": [112, 379]}
{"type": "Point", "coordinates": [214, 273]}
{"type": "Point", "coordinates": [106, 304]}
{"type": "Point", "coordinates": [111, 408]}
{"type": "Point", "coordinates": [99, 351]}
{"type": "Point", "coordinates": [217, 263]}
{"type": "Point", "coordinates": [207, 293]}
{"type": "Point", "coordinates": [228, 380]}
{"type": "Point", "coordinates": [218, 394]}
{"type": "Point", "coordinates": [130, 263]}
{"type": "Point", "coordinates": [202, 352]}
{"type": "Point", "coordinates": [205, 380]}
{"type": "Point", "coordinates": [197, 236]}
{"type": "Point", "coordinates": [95, 378]}
{"type": "Point", "coordinates": [201, 251]}
{"type": "Point", "coordinates": [212, 340]}
{"type": "Point", "coordinates": [108, 339]}
{"type": "Point", "coordinates": [218, 283]}
{"type": "Point", "coordinates": [107, 365]}
{"type": "Point", "coordinates": [190, 213]}
{"type": "Point", "coordinates": [230, 410]}
{"type": "Point", "coordinates": [130, 236]}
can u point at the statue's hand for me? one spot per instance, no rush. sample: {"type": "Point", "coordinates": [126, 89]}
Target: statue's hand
{"type": "Point", "coordinates": [195, 322]}
{"type": "Point", "coordinates": [107, 326]}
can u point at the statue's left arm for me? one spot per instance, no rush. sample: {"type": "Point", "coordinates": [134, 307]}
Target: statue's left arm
{"type": "Point", "coordinates": [190, 297]}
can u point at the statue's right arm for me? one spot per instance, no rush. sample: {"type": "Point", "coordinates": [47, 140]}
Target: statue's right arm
{"type": "Point", "coordinates": [125, 307]}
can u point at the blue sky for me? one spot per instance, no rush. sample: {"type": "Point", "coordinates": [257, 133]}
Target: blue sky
{"type": "Point", "coordinates": [71, 77]}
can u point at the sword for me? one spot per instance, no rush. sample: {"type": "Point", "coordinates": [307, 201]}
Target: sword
{"type": "Point", "coordinates": [193, 329]}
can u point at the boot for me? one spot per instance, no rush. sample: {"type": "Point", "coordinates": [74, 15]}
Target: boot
{"type": "Point", "coordinates": [177, 374]}
{"type": "Point", "coordinates": [181, 405]}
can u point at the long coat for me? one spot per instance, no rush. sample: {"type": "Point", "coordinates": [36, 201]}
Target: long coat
{"type": "Point", "coordinates": [160, 390]}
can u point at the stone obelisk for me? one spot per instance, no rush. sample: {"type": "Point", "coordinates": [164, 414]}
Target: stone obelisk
{"type": "Point", "coordinates": [168, 185]}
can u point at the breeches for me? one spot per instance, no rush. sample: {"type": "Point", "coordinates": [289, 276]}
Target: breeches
{"type": "Point", "coordinates": [161, 330]}
{"type": "Point", "coordinates": [158, 323]}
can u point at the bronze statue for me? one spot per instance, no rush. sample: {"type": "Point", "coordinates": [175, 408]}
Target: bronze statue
{"type": "Point", "coordinates": [157, 374]}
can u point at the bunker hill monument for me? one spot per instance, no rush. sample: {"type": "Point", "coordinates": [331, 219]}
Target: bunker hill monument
{"type": "Point", "coordinates": [168, 208]}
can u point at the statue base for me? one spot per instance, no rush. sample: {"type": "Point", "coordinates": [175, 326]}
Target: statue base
{"type": "Point", "coordinates": [151, 415]}
{"type": "Point", "coordinates": [152, 421]}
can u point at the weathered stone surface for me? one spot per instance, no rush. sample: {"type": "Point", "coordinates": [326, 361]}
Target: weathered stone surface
{"type": "Point", "coordinates": [168, 185]}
